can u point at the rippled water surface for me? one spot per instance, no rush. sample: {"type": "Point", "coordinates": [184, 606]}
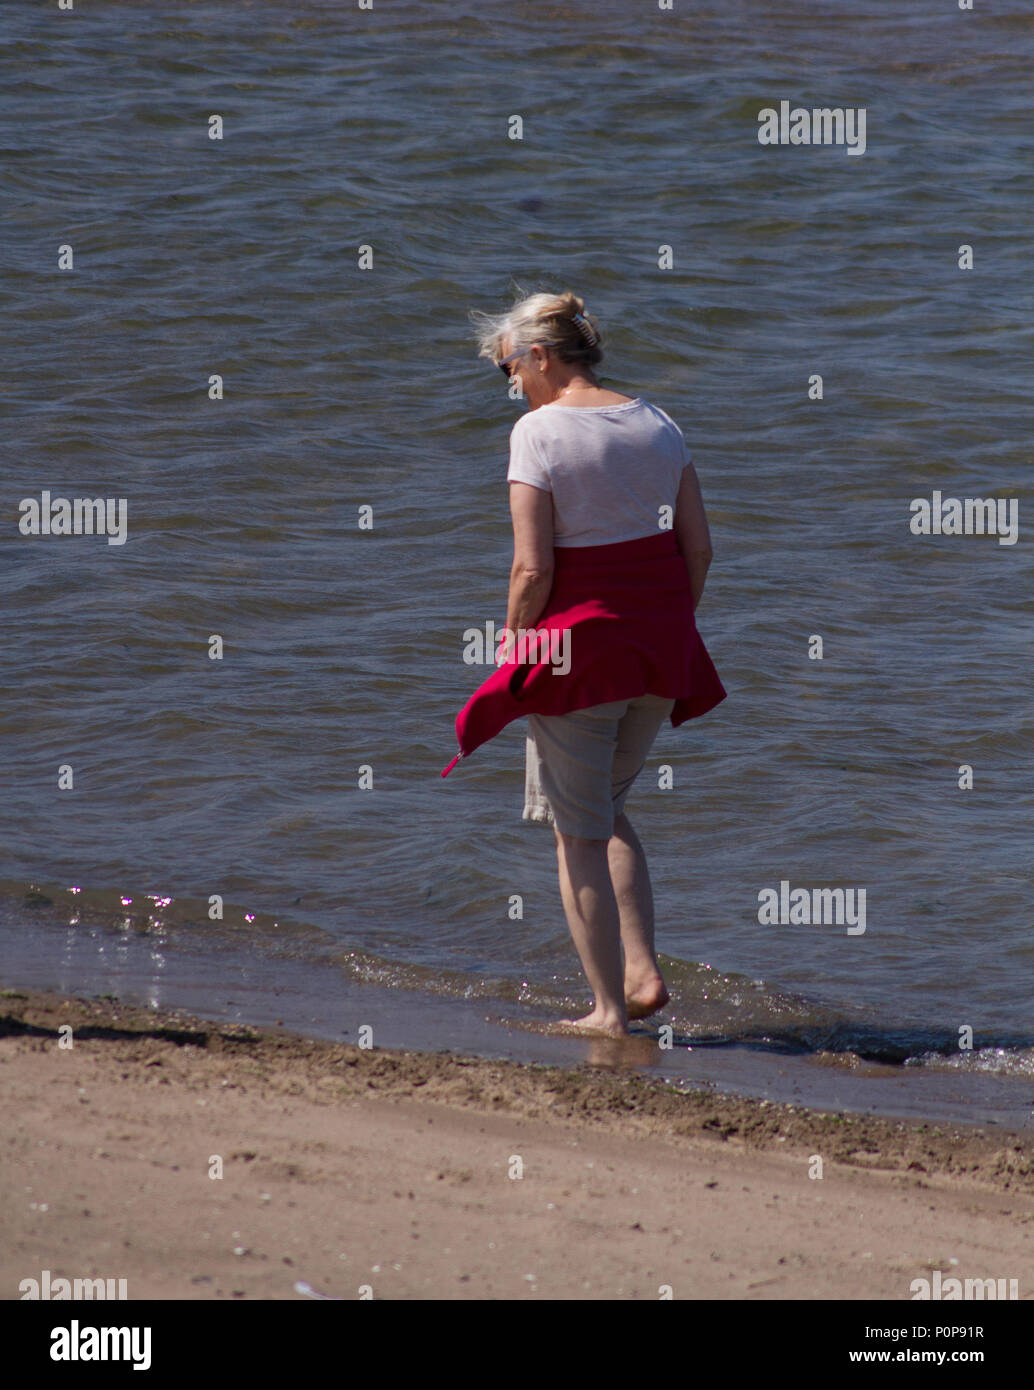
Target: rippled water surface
{"type": "Point", "coordinates": [348, 387]}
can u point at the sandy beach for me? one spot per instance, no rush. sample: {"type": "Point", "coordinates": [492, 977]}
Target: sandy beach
{"type": "Point", "coordinates": [349, 1173]}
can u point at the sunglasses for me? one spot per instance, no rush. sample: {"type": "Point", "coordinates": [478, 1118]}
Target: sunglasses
{"type": "Point", "coordinates": [504, 365]}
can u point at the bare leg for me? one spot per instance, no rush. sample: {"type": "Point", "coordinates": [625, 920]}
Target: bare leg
{"type": "Point", "coordinates": [592, 916]}
{"type": "Point", "coordinates": [645, 991]}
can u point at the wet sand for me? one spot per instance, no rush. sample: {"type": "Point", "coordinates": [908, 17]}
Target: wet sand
{"type": "Point", "coordinates": [348, 1172]}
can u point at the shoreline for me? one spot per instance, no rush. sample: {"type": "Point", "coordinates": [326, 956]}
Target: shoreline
{"type": "Point", "coordinates": [106, 1173]}
{"type": "Point", "coordinates": [798, 1051]}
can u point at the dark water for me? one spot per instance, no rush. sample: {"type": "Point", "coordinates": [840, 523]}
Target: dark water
{"type": "Point", "coordinates": [346, 387]}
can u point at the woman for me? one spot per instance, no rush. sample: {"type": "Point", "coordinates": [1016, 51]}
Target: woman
{"type": "Point", "coordinates": [611, 550]}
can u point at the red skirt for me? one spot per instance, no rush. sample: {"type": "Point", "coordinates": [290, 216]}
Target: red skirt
{"type": "Point", "coordinates": [628, 608]}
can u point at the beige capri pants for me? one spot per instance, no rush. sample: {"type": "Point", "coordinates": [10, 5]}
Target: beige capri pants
{"type": "Point", "coordinates": [579, 767]}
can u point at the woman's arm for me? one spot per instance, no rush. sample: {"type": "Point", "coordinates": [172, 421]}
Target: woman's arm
{"type": "Point", "coordinates": [691, 530]}
{"type": "Point", "coordinates": [531, 577]}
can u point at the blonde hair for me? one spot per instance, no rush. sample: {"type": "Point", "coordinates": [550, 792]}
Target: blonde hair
{"type": "Point", "coordinates": [557, 321]}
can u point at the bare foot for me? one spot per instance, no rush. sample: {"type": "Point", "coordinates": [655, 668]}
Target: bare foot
{"type": "Point", "coordinates": [646, 998]}
{"type": "Point", "coordinates": [597, 1023]}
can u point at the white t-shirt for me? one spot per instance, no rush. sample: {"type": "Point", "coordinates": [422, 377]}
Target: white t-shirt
{"type": "Point", "coordinates": [610, 468]}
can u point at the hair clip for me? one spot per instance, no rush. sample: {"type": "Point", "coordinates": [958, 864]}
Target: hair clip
{"type": "Point", "coordinates": [585, 329]}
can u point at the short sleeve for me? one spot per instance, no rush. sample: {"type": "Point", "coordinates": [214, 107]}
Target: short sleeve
{"type": "Point", "coordinates": [683, 454]}
{"type": "Point", "coordinates": [683, 446]}
{"type": "Point", "coordinates": [526, 464]}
